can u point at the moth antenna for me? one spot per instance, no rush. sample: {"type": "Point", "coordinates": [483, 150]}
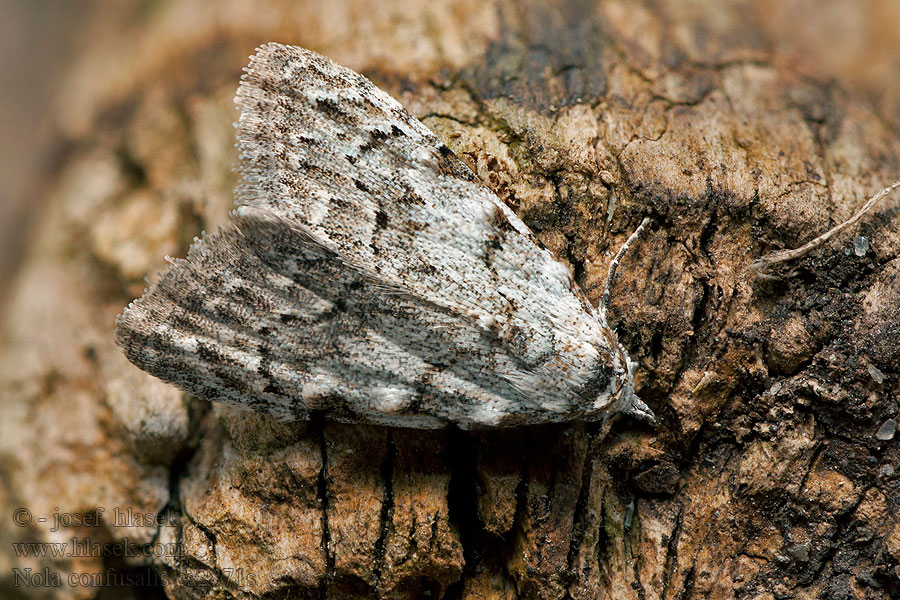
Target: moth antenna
{"type": "Point", "coordinates": [761, 266]}
{"type": "Point", "coordinates": [611, 274]}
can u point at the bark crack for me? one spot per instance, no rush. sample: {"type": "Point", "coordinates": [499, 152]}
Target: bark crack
{"type": "Point", "coordinates": [387, 510]}
{"type": "Point", "coordinates": [328, 580]}
{"type": "Point", "coordinates": [672, 552]}
{"type": "Point", "coordinates": [580, 518]}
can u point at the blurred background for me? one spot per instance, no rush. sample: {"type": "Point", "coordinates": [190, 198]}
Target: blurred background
{"type": "Point", "coordinates": [36, 39]}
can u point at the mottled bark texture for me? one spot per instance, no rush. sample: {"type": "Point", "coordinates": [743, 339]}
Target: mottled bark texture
{"type": "Point", "coordinates": [740, 128]}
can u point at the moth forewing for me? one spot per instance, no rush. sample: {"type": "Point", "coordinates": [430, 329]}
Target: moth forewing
{"type": "Point", "coordinates": [368, 275]}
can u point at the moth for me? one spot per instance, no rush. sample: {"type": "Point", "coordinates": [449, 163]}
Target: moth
{"type": "Point", "coordinates": [369, 276]}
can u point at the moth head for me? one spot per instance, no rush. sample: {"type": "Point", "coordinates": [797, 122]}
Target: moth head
{"type": "Point", "coordinates": [629, 401]}
{"type": "Point", "coordinates": [624, 399]}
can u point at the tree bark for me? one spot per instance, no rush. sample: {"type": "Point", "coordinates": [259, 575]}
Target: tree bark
{"type": "Point", "coordinates": [738, 129]}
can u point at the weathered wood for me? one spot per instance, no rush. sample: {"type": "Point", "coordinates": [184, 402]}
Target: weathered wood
{"type": "Point", "coordinates": [764, 478]}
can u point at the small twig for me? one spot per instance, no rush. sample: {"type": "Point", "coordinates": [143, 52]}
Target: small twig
{"type": "Point", "coordinates": [611, 274]}
{"type": "Point", "coordinates": [761, 265]}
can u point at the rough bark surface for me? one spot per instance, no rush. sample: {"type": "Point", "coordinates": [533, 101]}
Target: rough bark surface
{"type": "Point", "coordinates": [739, 128]}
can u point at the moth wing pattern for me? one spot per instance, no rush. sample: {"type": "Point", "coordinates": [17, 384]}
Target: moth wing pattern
{"type": "Point", "coordinates": [369, 275]}
{"type": "Point", "coordinates": [313, 332]}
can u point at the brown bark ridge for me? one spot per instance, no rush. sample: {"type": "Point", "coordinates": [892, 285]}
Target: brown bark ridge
{"type": "Point", "coordinates": [740, 129]}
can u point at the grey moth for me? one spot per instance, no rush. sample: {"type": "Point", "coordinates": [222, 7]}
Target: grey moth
{"type": "Point", "coordinates": [368, 276]}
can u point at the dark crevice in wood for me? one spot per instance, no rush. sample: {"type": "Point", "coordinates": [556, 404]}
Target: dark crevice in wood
{"type": "Point", "coordinates": [322, 489]}
{"type": "Point", "coordinates": [387, 510]}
